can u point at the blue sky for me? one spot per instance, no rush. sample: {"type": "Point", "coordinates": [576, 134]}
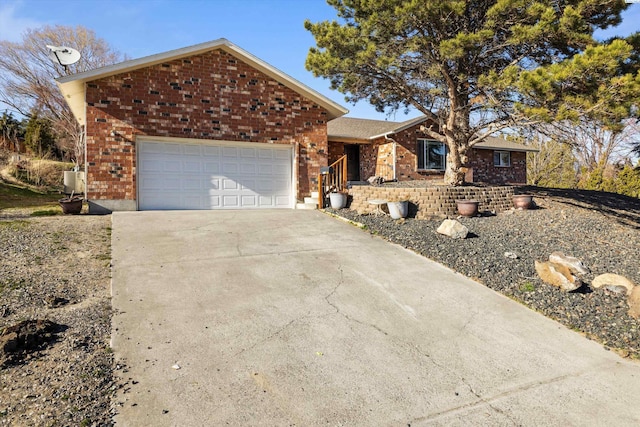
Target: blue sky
{"type": "Point", "coordinates": [269, 29]}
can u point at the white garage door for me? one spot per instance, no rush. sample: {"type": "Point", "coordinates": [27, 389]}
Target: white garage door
{"type": "Point", "coordinates": [184, 175]}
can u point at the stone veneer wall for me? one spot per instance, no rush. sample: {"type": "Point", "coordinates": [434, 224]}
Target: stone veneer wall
{"type": "Point", "coordinates": [438, 201]}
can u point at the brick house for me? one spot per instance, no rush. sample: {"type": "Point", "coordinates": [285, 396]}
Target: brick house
{"type": "Point", "coordinates": [211, 126]}
{"type": "Point", "coordinates": [401, 151]}
{"type": "Point", "coordinates": [204, 127]}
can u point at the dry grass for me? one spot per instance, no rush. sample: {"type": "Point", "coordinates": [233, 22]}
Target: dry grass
{"type": "Point", "coordinates": [41, 173]}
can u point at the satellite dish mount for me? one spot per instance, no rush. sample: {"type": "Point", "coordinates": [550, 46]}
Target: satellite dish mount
{"type": "Point", "coordinates": [63, 55]}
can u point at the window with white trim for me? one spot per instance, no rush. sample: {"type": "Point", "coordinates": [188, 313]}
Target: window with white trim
{"type": "Point", "coordinates": [502, 158]}
{"type": "Point", "coordinates": [431, 155]}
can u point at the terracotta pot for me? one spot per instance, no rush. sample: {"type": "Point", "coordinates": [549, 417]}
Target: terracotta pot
{"type": "Point", "coordinates": [71, 205]}
{"type": "Point", "coordinates": [467, 207]}
{"type": "Point", "coordinates": [523, 201]}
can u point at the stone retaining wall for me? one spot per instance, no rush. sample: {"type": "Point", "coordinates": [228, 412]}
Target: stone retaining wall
{"type": "Point", "coordinates": [436, 201]}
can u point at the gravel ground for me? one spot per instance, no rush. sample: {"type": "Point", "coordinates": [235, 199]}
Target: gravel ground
{"type": "Point", "coordinates": [57, 269]}
{"type": "Point", "coordinates": [601, 230]}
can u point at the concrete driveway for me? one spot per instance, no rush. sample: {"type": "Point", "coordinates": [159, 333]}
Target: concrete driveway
{"type": "Point", "coordinates": [291, 317]}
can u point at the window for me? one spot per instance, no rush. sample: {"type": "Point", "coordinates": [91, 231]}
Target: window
{"type": "Point", "coordinates": [431, 154]}
{"type": "Point", "coordinates": [502, 158]}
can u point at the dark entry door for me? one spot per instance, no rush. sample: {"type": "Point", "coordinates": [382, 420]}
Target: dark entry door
{"type": "Point", "coordinates": [353, 161]}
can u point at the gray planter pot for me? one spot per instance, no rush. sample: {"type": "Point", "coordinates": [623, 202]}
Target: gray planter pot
{"type": "Point", "coordinates": [398, 210]}
{"type": "Point", "coordinates": [338, 200]}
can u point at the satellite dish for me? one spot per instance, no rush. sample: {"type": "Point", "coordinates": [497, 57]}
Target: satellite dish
{"type": "Point", "coordinates": [63, 55]}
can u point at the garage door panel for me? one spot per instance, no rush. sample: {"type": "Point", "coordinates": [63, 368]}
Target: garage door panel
{"type": "Point", "coordinates": [265, 186]}
{"type": "Point", "coordinates": [248, 201]}
{"type": "Point", "coordinates": [248, 153]}
{"type": "Point", "coordinates": [191, 166]}
{"type": "Point", "coordinates": [209, 176]}
{"type": "Point", "coordinates": [264, 153]}
{"type": "Point", "coordinates": [192, 150]}
{"type": "Point", "coordinates": [191, 184]}
{"type": "Point", "coordinates": [171, 149]}
{"type": "Point", "coordinates": [211, 151]}
{"type": "Point", "coordinates": [248, 184]}
{"type": "Point", "coordinates": [229, 184]}
{"type": "Point", "coordinates": [170, 184]}
{"type": "Point", "coordinates": [265, 169]}
{"type": "Point", "coordinates": [231, 201]}
{"type": "Point", "coordinates": [281, 201]}
{"type": "Point", "coordinates": [229, 168]}
{"type": "Point", "coordinates": [230, 152]}
{"type": "Point", "coordinates": [211, 167]}
{"type": "Point", "coordinates": [172, 166]}
{"type": "Point", "coordinates": [248, 168]}
{"type": "Point", "coordinates": [281, 155]}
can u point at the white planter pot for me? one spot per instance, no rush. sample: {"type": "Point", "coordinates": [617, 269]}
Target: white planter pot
{"type": "Point", "coordinates": [398, 210]}
{"type": "Point", "coordinates": [338, 200]}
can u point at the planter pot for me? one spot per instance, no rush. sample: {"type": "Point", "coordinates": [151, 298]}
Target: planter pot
{"type": "Point", "coordinates": [71, 205]}
{"type": "Point", "coordinates": [338, 200]}
{"type": "Point", "coordinates": [398, 210]}
{"type": "Point", "coordinates": [467, 207]}
{"type": "Point", "coordinates": [523, 201]}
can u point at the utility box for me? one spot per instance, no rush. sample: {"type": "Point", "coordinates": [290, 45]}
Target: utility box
{"type": "Point", "coordinates": [73, 182]}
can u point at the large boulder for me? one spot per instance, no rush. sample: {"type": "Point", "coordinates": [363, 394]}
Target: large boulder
{"type": "Point", "coordinates": [557, 275]}
{"type": "Point", "coordinates": [453, 229]}
{"type": "Point", "coordinates": [613, 282]}
{"type": "Point", "coordinates": [574, 264]}
{"type": "Point", "coordinates": [634, 302]}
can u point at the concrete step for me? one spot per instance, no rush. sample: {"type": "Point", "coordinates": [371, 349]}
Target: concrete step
{"type": "Point", "coordinates": [314, 195]}
{"type": "Point", "coordinates": [310, 206]}
{"type": "Point", "coordinates": [311, 200]}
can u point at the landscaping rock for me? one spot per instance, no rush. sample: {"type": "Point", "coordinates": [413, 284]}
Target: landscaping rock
{"type": "Point", "coordinates": [601, 229]}
{"type": "Point", "coordinates": [634, 302]}
{"type": "Point", "coordinates": [453, 229]}
{"type": "Point", "coordinates": [557, 275]}
{"type": "Point", "coordinates": [613, 282]}
{"type": "Point", "coordinates": [574, 264]}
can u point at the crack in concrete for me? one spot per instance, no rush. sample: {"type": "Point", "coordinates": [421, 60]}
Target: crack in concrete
{"type": "Point", "coordinates": [488, 400]}
{"type": "Point", "coordinates": [346, 316]}
{"type": "Point", "coordinates": [273, 335]}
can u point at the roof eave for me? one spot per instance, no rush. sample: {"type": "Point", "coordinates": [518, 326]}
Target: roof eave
{"type": "Point", "coordinates": [348, 139]}
{"type": "Point", "coordinates": [405, 126]}
{"type": "Point", "coordinates": [497, 148]}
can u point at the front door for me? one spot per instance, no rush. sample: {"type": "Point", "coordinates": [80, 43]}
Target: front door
{"type": "Point", "coordinates": [353, 161]}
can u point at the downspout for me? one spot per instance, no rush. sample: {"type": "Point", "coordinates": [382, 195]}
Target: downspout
{"type": "Point", "coordinates": [386, 137]}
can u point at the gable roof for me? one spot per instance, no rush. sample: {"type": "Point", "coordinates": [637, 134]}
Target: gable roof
{"type": "Point", "coordinates": [349, 129]}
{"type": "Point", "coordinates": [73, 87]}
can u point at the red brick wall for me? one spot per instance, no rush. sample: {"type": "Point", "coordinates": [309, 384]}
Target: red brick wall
{"type": "Point", "coordinates": [484, 171]}
{"type": "Point", "coordinates": [209, 96]}
{"type": "Point", "coordinates": [336, 150]}
{"type": "Point", "coordinates": [376, 159]}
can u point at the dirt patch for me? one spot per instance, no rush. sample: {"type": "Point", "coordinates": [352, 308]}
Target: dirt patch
{"type": "Point", "coordinates": [55, 314]}
{"type": "Point", "coordinates": [25, 337]}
